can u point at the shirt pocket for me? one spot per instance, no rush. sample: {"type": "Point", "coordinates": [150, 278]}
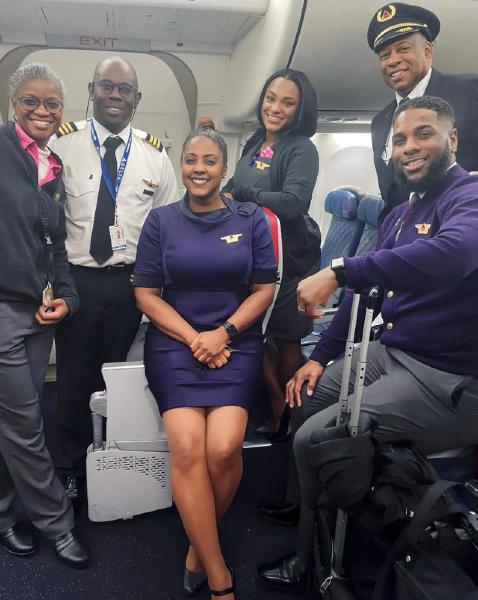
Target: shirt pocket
{"type": "Point", "coordinates": [146, 187]}
{"type": "Point", "coordinates": [81, 197]}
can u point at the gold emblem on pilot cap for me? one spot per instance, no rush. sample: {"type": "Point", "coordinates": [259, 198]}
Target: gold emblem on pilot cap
{"type": "Point", "coordinates": [386, 13]}
{"type": "Point", "coordinates": [230, 239]}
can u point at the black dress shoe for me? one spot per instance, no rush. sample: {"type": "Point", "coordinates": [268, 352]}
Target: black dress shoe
{"type": "Point", "coordinates": [264, 429]}
{"type": "Point", "coordinates": [283, 432]}
{"type": "Point", "coordinates": [193, 582]}
{"type": "Point", "coordinates": [71, 551]}
{"type": "Point", "coordinates": [19, 543]}
{"type": "Point", "coordinates": [281, 513]}
{"type": "Point", "coordinates": [72, 488]}
{"type": "Point", "coordinates": [286, 573]}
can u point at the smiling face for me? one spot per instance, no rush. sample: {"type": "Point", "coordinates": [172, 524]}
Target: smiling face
{"type": "Point", "coordinates": [423, 148]}
{"type": "Point", "coordinates": [114, 93]}
{"type": "Point", "coordinates": [405, 62]}
{"type": "Point", "coordinates": [39, 123]}
{"type": "Point", "coordinates": [202, 169]}
{"type": "Point", "coordinates": [280, 105]}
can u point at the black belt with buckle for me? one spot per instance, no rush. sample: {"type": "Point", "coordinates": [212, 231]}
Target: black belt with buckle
{"type": "Point", "coordinates": [116, 269]}
{"type": "Point", "coordinates": [120, 268]}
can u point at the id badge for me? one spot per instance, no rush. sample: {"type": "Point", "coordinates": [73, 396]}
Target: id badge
{"type": "Point", "coordinates": [47, 294]}
{"type": "Point", "coordinates": [118, 241]}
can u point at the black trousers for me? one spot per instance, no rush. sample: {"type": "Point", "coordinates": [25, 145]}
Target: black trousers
{"type": "Point", "coordinates": [101, 331]}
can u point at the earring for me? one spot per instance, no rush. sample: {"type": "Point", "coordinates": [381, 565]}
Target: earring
{"type": "Point", "coordinates": [15, 117]}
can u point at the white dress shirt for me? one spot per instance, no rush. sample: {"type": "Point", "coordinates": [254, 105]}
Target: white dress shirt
{"type": "Point", "coordinates": [148, 182]}
{"type": "Point", "coordinates": [418, 90]}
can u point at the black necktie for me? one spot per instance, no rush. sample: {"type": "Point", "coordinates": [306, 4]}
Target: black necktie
{"type": "Point", "coordinates": [403, 100]}
{"type": "Point", "coordinates": [100, 247]}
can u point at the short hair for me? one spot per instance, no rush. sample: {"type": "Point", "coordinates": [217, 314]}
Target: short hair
{"type": "Point", "coordinates": [443, 109]}
{"type": "Point", "coordinates": [109, 60]}
{"type": "Point", "coordinates": [211, 134]}
{"type": "Point", "coordinates": [32, 71]}
{"type": "Point", "coordinates": [305, 120]}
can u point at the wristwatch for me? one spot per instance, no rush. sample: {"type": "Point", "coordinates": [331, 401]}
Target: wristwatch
{"type": "Point", "coordinates": [338, 267]}
{"type": "Point", "coordinates": [230, 330]}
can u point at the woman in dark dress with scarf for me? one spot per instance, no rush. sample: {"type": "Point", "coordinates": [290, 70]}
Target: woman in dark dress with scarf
{"type": "Point", "coordinates": [204, 276]}
{"type": "Point", "coordinates": [278, 170]}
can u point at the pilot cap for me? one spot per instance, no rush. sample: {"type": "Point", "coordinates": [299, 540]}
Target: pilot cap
{"type": "Point", "coordinates": [399, 19]}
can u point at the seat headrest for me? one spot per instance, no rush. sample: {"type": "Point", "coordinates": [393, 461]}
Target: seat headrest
{"type": "Point", "coordinates": [369, 210]}
{"type": "Point", "coordinates": [343, 203]}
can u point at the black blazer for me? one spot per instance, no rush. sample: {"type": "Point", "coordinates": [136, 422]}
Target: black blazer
{"type": "Point", "coordinates": [461, 91]}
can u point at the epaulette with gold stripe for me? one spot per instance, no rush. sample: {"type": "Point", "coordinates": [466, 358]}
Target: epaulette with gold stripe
{"type": "Point", "coordinates": [154, 141]}
{"type": "Point", "coordinates": [66, 128]}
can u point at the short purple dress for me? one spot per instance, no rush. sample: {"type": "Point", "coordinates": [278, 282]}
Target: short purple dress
{"type": "Point", "coordinates": [205, 264]}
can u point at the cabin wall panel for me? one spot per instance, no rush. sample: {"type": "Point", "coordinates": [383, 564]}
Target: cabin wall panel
{"type": "Point", "coordinates": [346, 159]}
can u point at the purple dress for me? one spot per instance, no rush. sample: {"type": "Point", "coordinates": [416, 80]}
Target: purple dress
{"type": "Point", "coordinates": [205, 264]}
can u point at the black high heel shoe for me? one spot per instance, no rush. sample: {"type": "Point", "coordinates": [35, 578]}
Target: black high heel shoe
{"type": "Point", "coordinates": [282, 434]}
{"type": "Point", "coordinates": [229, 590]}
{"type": "Point", "coordinates": [193, 582]}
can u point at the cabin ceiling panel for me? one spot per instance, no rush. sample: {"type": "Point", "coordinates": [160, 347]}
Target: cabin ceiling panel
{"type": "Point", "coordinates": [181, 21]}
{"type": "Point", "coordinates": [67, 19]}
{"type": "Point", "coordinates": [24, 17]}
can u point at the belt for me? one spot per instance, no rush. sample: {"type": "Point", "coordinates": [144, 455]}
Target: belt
{"type": "Point", "coordinates": [115, 269]}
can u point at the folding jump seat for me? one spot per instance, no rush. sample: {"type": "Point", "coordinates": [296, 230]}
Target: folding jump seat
{"type": "Point", "coordinates": [128, 471]}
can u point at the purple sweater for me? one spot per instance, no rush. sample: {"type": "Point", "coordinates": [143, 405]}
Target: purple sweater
{"type": "Point", "coordinates": [429, 279]}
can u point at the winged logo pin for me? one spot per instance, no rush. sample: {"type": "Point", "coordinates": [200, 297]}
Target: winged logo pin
{"type": "Point", "coordinates": [422, 228]}
{"type": "Point", "coordinates": [232, 238]}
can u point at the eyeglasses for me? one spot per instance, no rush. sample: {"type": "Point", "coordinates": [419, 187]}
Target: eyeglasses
{"type": "Point", "coordinates": [31, 103]}
{"type": "Point", "coordinates": [107, 86]}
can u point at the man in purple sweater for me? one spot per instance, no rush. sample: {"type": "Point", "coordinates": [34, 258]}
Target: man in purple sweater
{"type": "Point", "coordinates": [423, 372]}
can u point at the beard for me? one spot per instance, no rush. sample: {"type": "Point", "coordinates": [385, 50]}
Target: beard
{"type": "Point", "coordinates": [436, 171]}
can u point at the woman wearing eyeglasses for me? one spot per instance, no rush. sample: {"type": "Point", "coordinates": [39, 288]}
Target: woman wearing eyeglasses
{"type": "Point", "coordinates": [36, 293]}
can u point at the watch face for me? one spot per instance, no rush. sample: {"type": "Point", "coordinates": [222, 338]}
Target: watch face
{"type": "Point", "coordinates": [231, 330]}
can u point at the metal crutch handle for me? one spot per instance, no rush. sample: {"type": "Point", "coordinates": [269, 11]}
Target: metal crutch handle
{"type": "Point", "coordinates": [373, 295]}
{"type": "Point", "coordinates": [362, 361]}
{"type": "Point", "coordinates": [349, 348]}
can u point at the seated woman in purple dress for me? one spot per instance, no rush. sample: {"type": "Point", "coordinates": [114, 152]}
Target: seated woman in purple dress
{"type": "Point", "coordinates": [204, 276]}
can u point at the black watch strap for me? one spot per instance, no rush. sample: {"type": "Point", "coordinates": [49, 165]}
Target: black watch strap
{"type": "Point", "coordinates": [337, 266]}
{"type": "Point", "coordinates": [230, 330]}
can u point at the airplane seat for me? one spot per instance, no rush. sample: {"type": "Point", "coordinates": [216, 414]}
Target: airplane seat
{"type": "Point", "coordinates": [368, 212]}
{"type": "Point", "coordinates": [343, 238]}
{"type": "Point", "coordinates": [345, 229]}
{"type": "Point", "coordinates": [128, 472]}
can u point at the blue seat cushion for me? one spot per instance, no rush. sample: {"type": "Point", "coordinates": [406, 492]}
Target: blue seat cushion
{"type": "Point", "coordinates": [369, 210]}
{"type": "Point", "coordinates": [342, 203]}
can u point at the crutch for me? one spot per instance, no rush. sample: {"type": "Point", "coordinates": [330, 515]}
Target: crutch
{"type": "Point", "coordinates": [341, 523]}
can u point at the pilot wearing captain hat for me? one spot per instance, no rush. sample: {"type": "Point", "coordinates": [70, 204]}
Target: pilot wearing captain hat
{"type": "Point", "coordinates": [401, 35]}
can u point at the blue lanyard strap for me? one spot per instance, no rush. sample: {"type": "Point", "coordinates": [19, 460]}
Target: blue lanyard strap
{"type": "Point", "coordinates": [104, 170]}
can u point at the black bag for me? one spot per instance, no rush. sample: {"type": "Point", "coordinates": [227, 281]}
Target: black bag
{"type": "Point", "coordinates": [429, 573]}
{"type": "Point", "coordinates": [420, 565]}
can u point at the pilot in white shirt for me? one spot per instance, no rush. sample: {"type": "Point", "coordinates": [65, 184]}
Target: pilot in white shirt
{"type": "Point", "coordinates": [114, 175]}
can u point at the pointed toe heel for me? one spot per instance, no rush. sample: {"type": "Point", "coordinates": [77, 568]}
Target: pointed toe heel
{"type": "Point", "coordinates": [193, 582]}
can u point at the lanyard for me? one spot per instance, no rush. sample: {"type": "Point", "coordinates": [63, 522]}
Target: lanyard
{"type": "Point", "coordinates": [104, 170]}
